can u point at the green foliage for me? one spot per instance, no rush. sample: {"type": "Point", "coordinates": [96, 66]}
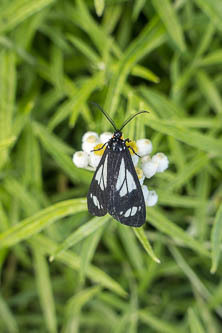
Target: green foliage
{"type": "Point", "coordinates": [61, 269]}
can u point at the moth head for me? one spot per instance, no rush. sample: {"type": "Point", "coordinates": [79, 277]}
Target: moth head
{"type": "Point", "coordinates": [117, 135]}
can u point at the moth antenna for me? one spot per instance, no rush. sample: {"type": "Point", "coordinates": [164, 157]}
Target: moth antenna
{"type": "Point", "coordinates": [131, 117]}
{"type": "Point", "coordinates": [105, 114]}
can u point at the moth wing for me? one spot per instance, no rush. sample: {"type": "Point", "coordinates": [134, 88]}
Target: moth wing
{"type": "Point", "coordinates": [96, 197]}
{"type": "Point", "coordinates": [125, 197]}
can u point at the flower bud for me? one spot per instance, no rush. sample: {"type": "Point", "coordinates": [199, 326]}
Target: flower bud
{"type": "Point", "coordinates": [94, 159]}
{"type": "Point", "coordinates": [152, 199]}
{"type": "Point", "coordinates": [90, 134]}
{"type": "Point", "coordinates": [140, 175]}
{"type": "Point", "coordinates": [145, 159]}
{"type": "Point", "coordinates": [144, 147]}
{"type": "Point", "coordinates": [145, 192]}
{"type": "Point", "coordinates": [135, 159]}
{"type": "Point", "coordinates": [149, 168]}
{"type": "Point", "coordinates": [80, 159]}
{"type": "Point", "coordinates": [161, 160]}
{"type": "Point", "coordinates": [105, 137]}
{"type": "Point", "coordinates": [89, 141]}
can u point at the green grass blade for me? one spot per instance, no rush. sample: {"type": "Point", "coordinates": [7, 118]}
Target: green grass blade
{"type": "Point", "coordinates": [212, 58]}
{"type": "Point", "coordinates": [198, 140]}
{"type": "Point", "coordinates": [88, 251]}
{"type": "Point", "coordinates": [73, 261]}
{"type": "Point", "coordinates": [194, 322]}
{"type": "Point", "coordinates": [188, 171]}
{"type": "Point", "coordinates": [158, 324]}
{"type": "Point", "coordinates": [17, 190]}
{"type": "Point", "coordinates": [168, 15]}
{"type": "Point", "coordinates": [189, 272]}
{"type": "Point", "coordinates": [7, 99]}
{"type": "Point", "coordinates": [163, 106]}
{"type": "Point", "coordinates": [175, 200]}
{"type": "Point", "coordinates": [45, 290]}
{"type": "Point", "coordinates": [58, 150]}
{"type": "Point", "coordinates": [216, 237]}
{"type": "Point", "coordinates": [209, 91]}
{"type": "Point", "coordinates": [34, 224]}
{"type": "Point", "coordinates": [145, 73]}
{"type": "Point", "coordinates": [74, 306]}
{"type": "Point", "coordinates": [213, 10]}
{"type": "Point", "coordinates": [85, 49]}
{"type": "Point", "coordinates": [32, 160]}
{"type": "Point", "coordinates": [72, 107]}
{"type": "Point", "coordinates": [131, 247]}
{"type": "Point", "coordinates": [99, 6]}
{"type": "Point", "coordinates": [7, 317]}
{"type": "Point", "coordinates": [20, 10]}
{"type": "Point", "coordinates": [76, 302]}
{"type": "Point", "coordinates": [81, 233]}
{"type": "Point", "coordinates": [149, 39]}
{"type": "Point", "coordinates": [157, 219]}
{"type": "Point", "coordinates": [4, 144]}
{"type": "Point", "coordinates": [201, 213]}
{"type": "Point", "coordinates": [140, 234]}
{"type": "Point", "coordinates": [137, 8]}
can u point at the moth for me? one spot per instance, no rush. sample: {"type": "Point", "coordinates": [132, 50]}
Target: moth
{"type": "Point", "coordinates": [115, 187]}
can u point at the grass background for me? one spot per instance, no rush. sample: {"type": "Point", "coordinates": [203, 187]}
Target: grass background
{"type": "Point", "coordinates": [61, 269]}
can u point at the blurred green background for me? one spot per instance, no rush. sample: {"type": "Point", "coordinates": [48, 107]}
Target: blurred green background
{"type": "Point", "coordinates": [61, 269]}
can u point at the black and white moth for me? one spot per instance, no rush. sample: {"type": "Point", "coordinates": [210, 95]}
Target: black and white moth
{"type": "Point", "coordinates": [115, 187]}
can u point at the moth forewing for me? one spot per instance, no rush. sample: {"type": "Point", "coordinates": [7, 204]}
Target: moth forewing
{"type": "Point", "coordinates": [125, 197]}
{"type": "Point", "coordinates": [97, 198]}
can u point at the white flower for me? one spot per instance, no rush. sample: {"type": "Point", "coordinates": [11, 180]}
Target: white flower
{"type": "Point", "coordinates": [89, 141]}
{"type": "Point", "coordinates": [145, 159]}
{"type": "Point", "coordinates": [135, 159]}
{"type": "Point", "coordinates": [161, 160]}
{"type": "Point", "coordinates": [90, 134]}
{"type": "Point", "coordinates": [145, 192]}
{"type": "Point", "coordinates": [140, 175]}
{"type": "Point", "coordinates": [105, 137]}
{"type": "Point", "coordinates": [149, 168]}
{"type": "Point", "coordinates": [94, 159]}
{"type": "Point", "coordinates": [144, 147]}
{"type": "Point", "coordinates": [81, 159]}
{"type": "Point", "coordinates": [152, 199]}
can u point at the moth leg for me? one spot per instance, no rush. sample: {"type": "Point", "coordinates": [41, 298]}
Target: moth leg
{"type": "Point", "coordinates": [127, 140]}
{"type": "Point", "coordinates": [99, 148]}
{"type": "Point", "coordinates": [134, 151]}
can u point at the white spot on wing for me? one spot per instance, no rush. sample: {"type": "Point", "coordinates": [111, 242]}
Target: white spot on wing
{"type": "Point", "coordinates": [101, 175]}
{"type": "Point", "coordinates": [134, 210]}
{"type": "Point", "coordinates": [121, 175]}
{"type": "Point", "coordinates": [123, 190]}
{"type": "Point", "coordinates": [130, 182]}
{"type": "Point", "coordinates": [96, 201]}
{"type": "Point", "coordinates": [105, 171]}
{"type": "Point", "coordinates": [127, 213]}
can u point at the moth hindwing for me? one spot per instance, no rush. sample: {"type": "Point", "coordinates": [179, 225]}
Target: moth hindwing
{"type": "Point", "coordinates": [115, 187]}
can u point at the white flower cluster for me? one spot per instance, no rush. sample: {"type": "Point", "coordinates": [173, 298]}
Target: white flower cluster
{"type": "Point", "coordinates": [89, 159]}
